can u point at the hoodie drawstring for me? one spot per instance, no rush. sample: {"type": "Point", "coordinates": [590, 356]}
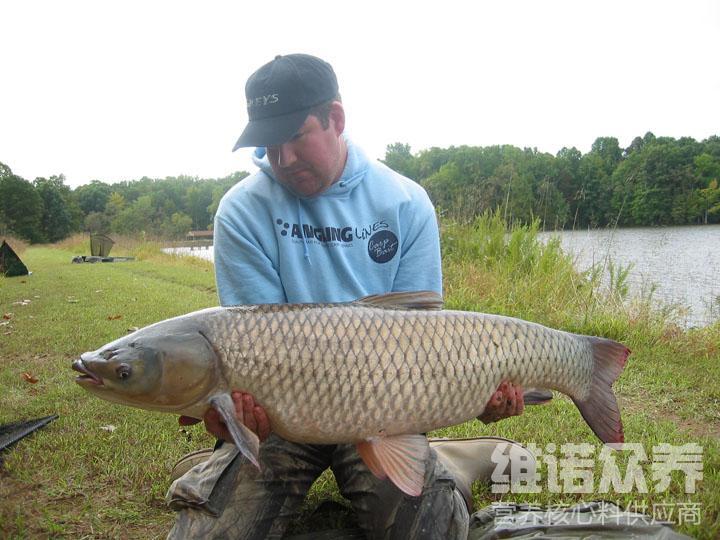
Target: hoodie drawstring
{"type": "Point", "coordinates": [306, 251]}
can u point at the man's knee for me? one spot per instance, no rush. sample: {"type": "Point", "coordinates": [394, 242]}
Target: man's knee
{"type": "Point", "coordinates": [228, 496]}
{"type": "Point", "coordinates": [386, 512]}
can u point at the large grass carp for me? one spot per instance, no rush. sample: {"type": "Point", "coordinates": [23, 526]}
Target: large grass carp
{"type": "Point", "coordinates": [376, 372]}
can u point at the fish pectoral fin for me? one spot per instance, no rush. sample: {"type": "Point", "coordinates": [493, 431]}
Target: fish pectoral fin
{"type": "Point", "coordinates": [246, 441]}
{"type": "Point", "coordinates": [401, 458]}
{"type": "Point", "coordinates": [429, 300]}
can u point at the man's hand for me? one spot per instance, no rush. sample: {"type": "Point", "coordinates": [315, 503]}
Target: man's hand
{"type": "Point", "coordinates": [505, 402]}
{"type": "Point", "coordinates": [247, 412]}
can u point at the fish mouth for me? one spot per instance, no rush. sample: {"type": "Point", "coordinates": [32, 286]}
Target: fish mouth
{"type": "Point", "coordinates": [87, 377]}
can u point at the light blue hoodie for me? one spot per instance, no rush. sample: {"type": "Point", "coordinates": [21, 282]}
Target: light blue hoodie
{"type": "Point", "coordinates": [373, 231]}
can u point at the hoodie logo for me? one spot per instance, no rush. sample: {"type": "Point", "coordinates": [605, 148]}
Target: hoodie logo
{"type": "Point", "coordinates": [382, 246]}
{"type": "Point", "coordinates": [382, 243]}
{"type": "Point", "coordinates": [321, 234]}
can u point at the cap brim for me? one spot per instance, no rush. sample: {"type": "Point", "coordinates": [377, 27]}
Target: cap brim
{"type": "Point", "coordinates": [271, 131]}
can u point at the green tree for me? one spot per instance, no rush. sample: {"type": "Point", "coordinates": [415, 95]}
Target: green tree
{"type": "Point", "coordinates": [97, 223]}
{"type": "Point", "coordinates": [114, 205]}
{"type": "Point", "coordinates": [516, 198]}
{"type": "Point", "coordinates": [60, 212]}
{"type": "Point", "coordinates": [710, 202]}
{"type": "Point", "coordinates": [609, 151]}
{"type": "Point", "coordinates": [567, 182]}
{"type": "Point", "coordinates": [221, 187]}
{"type": "Point", "coordinates": [93, 197]}
{"type": "Point", "coordinates": [198, 197]}
{"type": "Point", "coordinates": [707, 166]}
{"type": "Point", "coordinates": [177, 226]}
{"type": "Point", "coordinates": [138, 216]}
{"type": "Point", "coordinates": [399, 158]}
{"type": "Point", "coordinates": [21, 207]}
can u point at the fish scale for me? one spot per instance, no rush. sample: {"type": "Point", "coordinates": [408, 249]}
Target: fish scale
{"type": "Point", "coordinates": [361, 371]}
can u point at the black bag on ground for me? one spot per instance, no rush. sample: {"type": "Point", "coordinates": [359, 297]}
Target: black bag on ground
{"type": "Point", "coordinates": [597, 519]}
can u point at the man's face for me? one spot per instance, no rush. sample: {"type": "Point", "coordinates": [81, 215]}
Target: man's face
{"type": "Point", "coordinates": [313, 159]}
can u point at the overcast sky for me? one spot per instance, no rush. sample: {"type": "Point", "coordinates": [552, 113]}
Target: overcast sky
{"type": "Point", "coordinates": [120, 90]}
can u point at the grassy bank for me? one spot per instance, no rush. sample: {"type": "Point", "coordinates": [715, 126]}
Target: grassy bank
{"type": "Point", "coordinates": [80, 478]}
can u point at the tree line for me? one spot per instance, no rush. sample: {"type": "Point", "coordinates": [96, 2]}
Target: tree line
{"type": "Point", "coordinates": [654, 181]}
{"type": "Point", "coordinates": [47, 210]}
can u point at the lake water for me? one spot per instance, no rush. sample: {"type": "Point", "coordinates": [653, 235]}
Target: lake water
{"type": "Point", "coordinates": [683, 263]}
{"type": "Point", "coordinates": [205, 252]}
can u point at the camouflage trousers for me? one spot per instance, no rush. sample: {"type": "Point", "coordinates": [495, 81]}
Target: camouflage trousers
{"type": "Point", "coordinates": [228, 497]}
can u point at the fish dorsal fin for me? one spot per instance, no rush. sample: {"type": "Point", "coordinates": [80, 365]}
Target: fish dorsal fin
{"type": "Point", "coordinates": [404, 300]}
{"type": "Point", "coordinates": [245, 440]}
{"type": "Point", "coordinates": [400, 457]}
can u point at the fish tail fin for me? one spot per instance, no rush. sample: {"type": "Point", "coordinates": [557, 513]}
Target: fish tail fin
{"type": "Point", "coordinates": [600, 409]}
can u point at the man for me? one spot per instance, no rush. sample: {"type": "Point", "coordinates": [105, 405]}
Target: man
{"type": "Point", "coordinates": [319, 222]}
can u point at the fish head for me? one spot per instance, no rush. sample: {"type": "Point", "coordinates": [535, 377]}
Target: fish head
{"type": "Point", "coordinates": [167, 370]}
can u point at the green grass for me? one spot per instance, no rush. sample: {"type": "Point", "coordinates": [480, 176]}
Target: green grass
{"type": "Point", "coordinates": [86, 480]}
{"type": "Point", "coordinates": [73, 479]}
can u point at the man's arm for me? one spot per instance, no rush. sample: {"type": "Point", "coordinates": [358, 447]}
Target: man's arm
{"type": "Point", "coordinates": [243, 271]}
{"type": "Point", "coordinates": [420, 266]}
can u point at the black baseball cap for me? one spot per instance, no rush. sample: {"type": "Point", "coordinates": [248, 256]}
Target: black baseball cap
{"type": "Point", "coordinates": [281, 94]}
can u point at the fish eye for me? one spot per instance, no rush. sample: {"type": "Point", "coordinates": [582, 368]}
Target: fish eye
{"type": "Point", "coordinates": [123, 371]}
